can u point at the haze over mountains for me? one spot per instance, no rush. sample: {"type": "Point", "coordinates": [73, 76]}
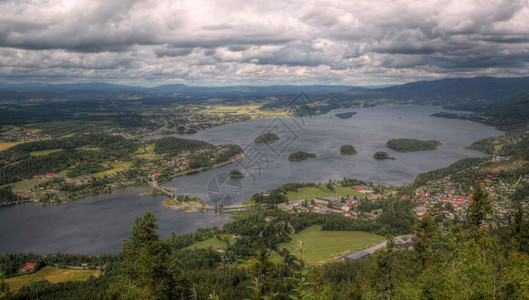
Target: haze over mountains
{"type": "Point", "coordinates": [482, 88]}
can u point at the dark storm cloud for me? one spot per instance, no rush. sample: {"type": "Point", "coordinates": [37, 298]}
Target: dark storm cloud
{"type": "Point", "coordinates": [234, 41]}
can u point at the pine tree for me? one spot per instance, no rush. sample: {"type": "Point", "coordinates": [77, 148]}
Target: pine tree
{"type": "Point", "coordinates": [381, 279]}
{"type": "Point", "coordinates": [4, 287]}
{"type": "Point", "coordinates": [479, 212]}
{"type": "Point", "coordinates": [148, 265]}
{"type": "Point", "coordinates": [426, 233]}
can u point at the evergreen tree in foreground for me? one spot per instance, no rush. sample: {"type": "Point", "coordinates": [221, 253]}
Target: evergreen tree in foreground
{"type": "Point", "coordinates": [149, 270]}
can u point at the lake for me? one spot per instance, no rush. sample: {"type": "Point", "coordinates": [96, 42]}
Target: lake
{"type": "Point", "coordinates": [99, 224]}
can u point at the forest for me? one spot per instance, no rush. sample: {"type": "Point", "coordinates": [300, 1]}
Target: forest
{"type": "Point", "coordinates": [460, 260]}
{"type": "Point", "coordinates": [411, 145]}
{"type": "Point", "coordinates": [300, 155]}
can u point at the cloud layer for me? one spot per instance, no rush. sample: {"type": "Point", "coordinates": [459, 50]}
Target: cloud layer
{"type": "Point", "coordinates": [357, 42]}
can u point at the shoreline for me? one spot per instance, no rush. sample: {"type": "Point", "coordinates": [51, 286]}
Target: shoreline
{"type": "Point", "coordinates": [229, 161]}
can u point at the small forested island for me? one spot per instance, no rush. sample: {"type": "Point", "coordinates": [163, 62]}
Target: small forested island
{"type": "Point", "coordinates": [347, 150]}
{"type": "Point", "coordinates": [345, 115]}
{"type": "Point", "coordinates": [412, 145]}
{"type": "Point", "coordinates": [267, 138]}
{"type": "Point", "coordinates": [382, 155]}
{"type": "Point", "coordinates": [300, 155]}
{"type": "Point", "coordinates": [236, 174]}
{"type": "Point", "coordinates": [185, 202]}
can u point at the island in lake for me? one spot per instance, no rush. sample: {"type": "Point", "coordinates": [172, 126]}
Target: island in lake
{"type": "Point", "coordinates": [412, 145]}
{"type": "Point", "coordinates": [347, 150]}
{"type": "Point", "coordinates": [267, 138]}
{"type": "Point", "coordinates": [236, 174]}
{"type": "Point", "coordinates": [300, 155]}
{"type": "Point", "coordinates": [345, 115]}
{"type": "Point", "coordinates": [382, 155]}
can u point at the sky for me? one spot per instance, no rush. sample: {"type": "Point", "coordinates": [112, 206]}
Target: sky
{"type": "Point", "coordinates": [354, 42]}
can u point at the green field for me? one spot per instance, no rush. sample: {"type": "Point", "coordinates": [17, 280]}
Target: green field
{"type": "Point", "coordinates": [323, 246]}
{"type": "Point", "coordinates": [251, 109]}
{"type": "Point", "coordinates": [212, 242]}
{"type": "Point", "coordinates": [7, 145]}
{"type": "Point", "coordinates": [53, 275]}
{"type": "Point", "coordinates": [24, 185]}
{"type": "Point", "coordinates": [310, 192]}
{"type": "Point", "coordinates": [116, 167]}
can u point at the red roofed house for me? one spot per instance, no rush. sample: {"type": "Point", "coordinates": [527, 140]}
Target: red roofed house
{"type": "Point", "coordinates": [27, 267]}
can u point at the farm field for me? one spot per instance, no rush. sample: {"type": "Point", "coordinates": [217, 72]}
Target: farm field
{"type": "Point", "coordinates": [212, 242]}
{"type": "Point", "coordinates": [310, 192]}
{"type": "Point", "coordinates": [252, 110]}
{"type": "Point", "coordinates": [7, 145]}
{"type": "Point", "coordinates": [116, 167]}
{"type": "Point", "coordinates": [53, 275]}
{"type": "Point", "coordinates": [323, 246]}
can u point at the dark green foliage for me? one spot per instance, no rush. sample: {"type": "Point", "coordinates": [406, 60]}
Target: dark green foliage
{"type": "Point", "coordinates": [485, 145]}
{"type": "Point", "coordinates": [198, 259]}
{"type": "Point", "coordinates": [300, 155]}
{"type": "Point", "coordinates": [479, 211]}
{"type": "Point", "coordinates": [19, 165]}
{"type": "Point", "coordinates": [114, 144]}
{"type": "Point", "coordinates": [410, 145]}
{"type": "Point", "coordinates": [426, 233]}
{"type": "Point", "coordinates": [85, 168]}
{"type": "Point", "coordinates": [94, 288]}
{"type": "Point", "coordinates": [187, 198]}
{"type": "Point", "coordinates": [267, 138]}
{"type": "Point", "coordinates": [381, 155]}
{"type": "Point", "coordinates": [347, 150]}
{"type": "Point", "coordinates": [292, 187]}
{"type": "Point", "coordinates": [175, 145]}
{"type": "Point", "coordinates": [456, 167]}
{"type": "Point", "coordinates": [381, 277]}
{"type": "Point", "coordinates": [351, 182]}
{"type": "Point", "coordinates": [235, 173]}
{"type": "Point", "coordinates": [346, 115]}
{"type": "Point", "coordinates": [521, 195]}
{"type": "Point", "coordinates": [35, 165]}
{"type": "Point", "coordinates": [149, 268]}
{"type": "Point", "coordinates": [7, 195]}
{"type": "Point", "coordinates": [517, 150]}
{"type": "Point", "coordinates": [273, 197]}
{"type": "Point", "coordinates": [231, 152]}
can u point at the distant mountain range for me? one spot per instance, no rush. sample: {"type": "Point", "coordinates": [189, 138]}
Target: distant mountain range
{"type": "Point", "coordinates": [478, 88]}
{"type": "Point", "coordinates": [102, 89]}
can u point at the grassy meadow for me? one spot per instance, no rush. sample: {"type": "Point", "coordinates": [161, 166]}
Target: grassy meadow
{"type": "Point", "coordinates": [323, 246]}
{"type": "Point", "coordinates": [53, 275]}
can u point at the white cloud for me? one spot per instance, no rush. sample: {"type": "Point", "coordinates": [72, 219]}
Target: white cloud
{"type": "Point", "coordinates": [261, 42]}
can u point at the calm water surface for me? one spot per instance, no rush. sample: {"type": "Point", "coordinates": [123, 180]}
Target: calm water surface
{"type": "Point", "coordinates": [99, 224]}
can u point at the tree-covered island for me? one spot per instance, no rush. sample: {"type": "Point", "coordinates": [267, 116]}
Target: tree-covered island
{"type": "Point", "coordinates": [382, 155]}
{"type": "Point", "coordinates": [347, 150]}
{"type": "Point", "coordinates": [236, 174]}
{"type": "Point", "coordinates": [412, 145]}
{"type": "Point", "coordinates": [300, 155]}
{"type": "Point", "coordinates": [267, 138]}
{"type": "Point", "coordinates": [345, 115]}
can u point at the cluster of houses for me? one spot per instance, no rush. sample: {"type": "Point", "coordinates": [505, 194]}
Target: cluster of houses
{"type": "Point", "coordinates": [14, 133]}
{"type": "Point", "coordinates": [336, 205]}
{"type": "Point", "coordinates": [180, 162]}
{"type": "Point", "coordinates": [187, 123]}
{"type": "Point", "coordinates": [451, 198]}
{"type": "Point", "coordinates": [28, 266]}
